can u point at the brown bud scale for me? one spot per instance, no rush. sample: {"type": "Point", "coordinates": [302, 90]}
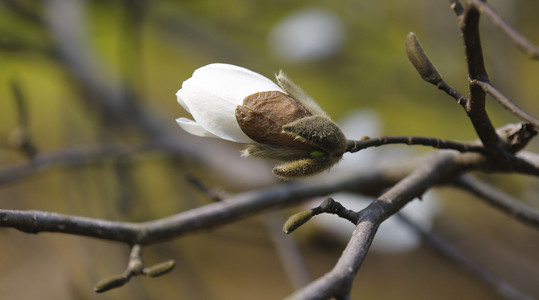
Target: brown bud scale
{"type": "Point", "coordinates": [262, 117]}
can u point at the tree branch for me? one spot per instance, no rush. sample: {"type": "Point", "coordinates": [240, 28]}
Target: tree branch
{"type": "Point", "coordinates": [231, 209]}
{"type": "Point", "coordinates": [357, 145]}
{"type": "Point", "coordinates": [19, 139]}
{"type": "Point", "coordinates": [508, 104]}
{"type": "Point", "coordinates": [426, 69]}
{"type": "Point", "coordinates": [122, 105]}
{"type": "Point", "coordinates": [442, 166]}
{"type": "Point", "coordinates": [531, 50]}
{"type": "Point", "coordinates": [499, 200]}
{"type": "Point", "coordinates": [135, 267]}
{"type": "Point", "coordinates": [117, 102]}
{"type": "Point", "coordinates": [329, 206]}
{"type": "Point", "coordinates": [475, 106]}
{"type": "Point", "coordinates": [85, 155]}
{"type": "Point", "coordinates": [338, 281]}
{"type": "Point", "coordinates": [469, 26]}
{"type": "Point", "coordinates": [443, 247]}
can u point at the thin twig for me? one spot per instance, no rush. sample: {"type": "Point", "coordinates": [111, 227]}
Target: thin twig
{"type": "Point", "coordinates": [27, 12]}
{"type": "Point", "coordinates": [69, 157]}
{"type": "Point", "coordinates": [118, 103]}
{"type": "Point", "coordinates": [287, 250]}
{"type": "Point", "coordinates": [456, 6]}
{"type": "Point", "coordinates": [328, 206]}
{"type": "Point", "coordinates": [446, 249]}
{"type": "Point", "coordinates": [475, 106]}
{"type": "Point", "coordinates": [451, 91]}
{"type": "Point", "coordinates": [426, 69]}
{"type": "Point", "coordinates": [214, 194]}
{"type": "Point", "coordinates": [357, 145]}
{"type": "Point", "coordinates": [499, 199]}
{"type": "Point", "coordinates": [86, 155]}
{"type": "Point", "coordinates": [135, 267]}
{"type": "Point", "coordinates": [508, 104]}
{"type": "Point", "coordinates": [24, 142]}
{"type": "Point", "coordinates": [531, 50]}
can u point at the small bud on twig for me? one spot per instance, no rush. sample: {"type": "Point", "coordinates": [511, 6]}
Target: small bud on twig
{"type": "Point", "coordinates": [135, 267]}
{"type": "Point", "coordinates": [327, 206]}
{"type": "Point", "coordinates": [160, 269]}
{"type": "Point", "coordinates": [420, 60]}
{"type": "Point", "coordinates": [110, 283]}
{"type": "Point", "coordinates": [297, 220]}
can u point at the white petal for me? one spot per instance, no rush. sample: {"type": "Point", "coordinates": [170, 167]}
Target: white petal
{"type": "Point", "coordinates": [214, 91]}
{"type": "Point", "coordinates": [193, 128]}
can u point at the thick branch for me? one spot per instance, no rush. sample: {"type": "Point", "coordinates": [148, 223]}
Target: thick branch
{"type": "Point", "coordinates": [208, 216]}
{"type": "Point", "coordinates": [339, 280]}
{"type": "Point", "coordinates": [444, 165]}
{"type": "Point", "coordinates": [469, 26]}
{"type": "Point", "coordinates": [249, 203]}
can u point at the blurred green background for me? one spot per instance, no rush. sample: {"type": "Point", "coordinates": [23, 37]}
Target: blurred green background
{"type": "Point", "coordinates": [151, 47]}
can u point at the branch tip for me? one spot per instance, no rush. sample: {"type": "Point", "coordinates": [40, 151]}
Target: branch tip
{"type": "Point", "coordinates": [159, 269]}
{"type": "Point", "coordinates": [297, 220]}
{"type": "Point", "coordinates": [419, 59]}
{"type": "Point", "coordinates": [110, 283]}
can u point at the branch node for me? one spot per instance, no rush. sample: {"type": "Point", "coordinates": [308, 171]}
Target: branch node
{"type": "Point", "coordinates": [135, 267]}
{"type": "Point", "coordinates": [297, 220]}
{"type": "Point", "coordinates": [515, 137]}
{"type": "Point", "coordinates": [327, 206]}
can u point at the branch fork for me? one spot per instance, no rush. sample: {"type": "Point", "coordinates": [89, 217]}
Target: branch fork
{"type": "Point", "coordinates": [135, 267]}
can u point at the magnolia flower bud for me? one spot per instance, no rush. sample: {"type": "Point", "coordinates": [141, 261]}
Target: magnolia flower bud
{"type": "Point", "coordinates": [277, 122]}
{"type": "Point", "coordinates": [263, 115]}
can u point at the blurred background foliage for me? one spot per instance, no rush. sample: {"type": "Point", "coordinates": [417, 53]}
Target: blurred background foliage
{"type": "Point", "coordinates": [151, 47]}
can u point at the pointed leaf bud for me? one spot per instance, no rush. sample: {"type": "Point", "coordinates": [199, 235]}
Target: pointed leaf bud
{"type": "Point", "coordinates": [160, 269]}
{"type": "Point", "coordinates": [297, 220]}
{"type": "Point", "coordinates": [110, 283]}
{"type": "Point", "coordinates": [420, 60]}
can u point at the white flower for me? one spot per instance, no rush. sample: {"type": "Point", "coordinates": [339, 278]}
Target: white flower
{"type": "Point", "coordinates": [278, 122]}
{"type": "Point", "coordinates": [212, 94]}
